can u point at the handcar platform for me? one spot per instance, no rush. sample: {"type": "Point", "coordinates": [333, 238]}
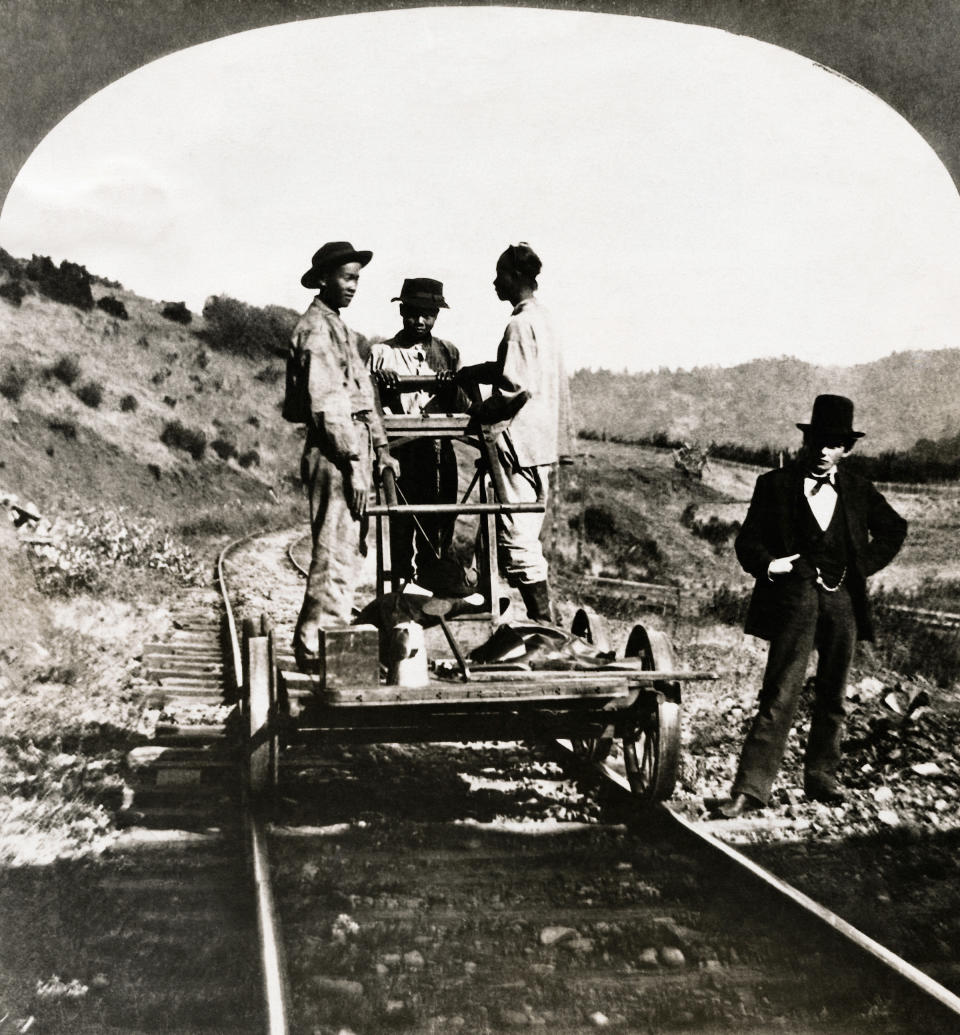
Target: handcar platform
{"type": "Point", "coordinates": [477, 675]}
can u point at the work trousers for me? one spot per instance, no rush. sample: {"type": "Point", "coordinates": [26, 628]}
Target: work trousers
{"type": "Point", "coordinates": [811, 618]}
{"type": "Point", "coordinates": [335, 558]}
{"type": "Point", "coordinates": [428, 474]}
{"type": "Point", "coordinates": [519, 551]}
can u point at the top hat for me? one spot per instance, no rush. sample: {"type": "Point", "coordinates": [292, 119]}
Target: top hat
{"type": "Point", "coordinates": [423, 292]}
{"type": "Point", "coordinates": [832, 417]}
{"type": "Point", "coordinates": [329, 257]}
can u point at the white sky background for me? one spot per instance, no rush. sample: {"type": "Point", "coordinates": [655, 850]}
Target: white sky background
{"type": "Point", "coordinates": [696, 197]}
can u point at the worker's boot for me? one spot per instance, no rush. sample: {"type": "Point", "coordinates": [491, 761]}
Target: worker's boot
{"type": "Point", "coordinates": [536, 599]}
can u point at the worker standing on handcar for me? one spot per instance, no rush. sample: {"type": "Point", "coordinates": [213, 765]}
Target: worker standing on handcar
{"type": "Point", "coordinates": [329, 390]}
{"type": "Point", "coordinates": [429, 465]}
{"type": "Point", "coordinates": [530, 402]}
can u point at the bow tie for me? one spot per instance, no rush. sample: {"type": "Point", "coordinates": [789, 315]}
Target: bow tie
{"type": "Point", "coordinates": [819, 480]}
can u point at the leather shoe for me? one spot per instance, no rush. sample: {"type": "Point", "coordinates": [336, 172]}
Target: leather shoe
{"type": "Point", "coordinates": [825, 789]}
{"type": "Point", "coordinates": [736, 805]}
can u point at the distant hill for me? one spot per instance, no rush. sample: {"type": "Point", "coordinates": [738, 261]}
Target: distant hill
{"type": "Point", "coordinates": [899, 399]}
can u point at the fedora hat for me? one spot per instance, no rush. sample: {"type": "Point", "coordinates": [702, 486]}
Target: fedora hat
{"type": "Point", "coordinates": [422, 291]}
{"type": "Point", "coordinates": [832, 417]}
{"type": "Point", "coordinates": [328, 257]}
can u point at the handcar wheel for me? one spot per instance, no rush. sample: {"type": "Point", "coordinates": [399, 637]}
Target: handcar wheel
{"type": "Point", "coordinates": [589, 626]}
{"type": "Point", "coordinates": [651, 752]}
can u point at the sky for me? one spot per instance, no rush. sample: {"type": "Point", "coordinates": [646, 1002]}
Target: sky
{"type": "Point", "coordinates": [696, 197]}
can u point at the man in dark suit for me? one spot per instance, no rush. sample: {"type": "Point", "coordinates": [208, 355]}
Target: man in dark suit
{"type": "Point", "coordinates": [812, 536]}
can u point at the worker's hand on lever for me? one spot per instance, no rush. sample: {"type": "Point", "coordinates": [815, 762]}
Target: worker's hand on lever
{"type": "Point", "coordinates": [356, 486]}
{"type": "Point", "coordinates": [446, 375]}
{"type": "Point", "coordinates": [386, 461]}
{"type": "Point", "coordinates": [383, 376]}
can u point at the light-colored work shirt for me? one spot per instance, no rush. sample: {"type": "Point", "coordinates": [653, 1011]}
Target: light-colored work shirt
{"type": "Point", "coordinates": [338, 384]}
{"type": "Point", "coordinates": [530, 361]}
{"type": "Point", "coordinates": [430, 357]}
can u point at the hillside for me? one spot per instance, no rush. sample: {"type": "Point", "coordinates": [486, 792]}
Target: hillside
{"type": "Point", "coordinates": [149, 373]}
{"type": "Point", "coordinates": [899, 399]}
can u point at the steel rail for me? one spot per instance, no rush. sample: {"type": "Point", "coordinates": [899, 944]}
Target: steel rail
{"type": "Point", "coordinates": [863, 942]}
{"type": "Point", "coordinates": [915, 977]}
{"type": "Point", "coordinates": [273, 966]}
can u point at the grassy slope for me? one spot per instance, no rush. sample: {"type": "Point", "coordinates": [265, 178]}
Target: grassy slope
{"type": "Point", "coordinates": [117, 458]}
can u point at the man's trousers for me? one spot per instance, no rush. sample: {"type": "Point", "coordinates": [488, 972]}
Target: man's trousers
{"type": "Point", "coordinates": [428, 474]}
{"type": "Point", "coordinates": [811, 618]}
{"type": "Point", "coordinates": [335, 559]}
{"type": "Point", "coordinates": [519, 551]}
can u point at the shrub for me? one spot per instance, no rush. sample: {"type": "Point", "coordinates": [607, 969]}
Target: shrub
{"type": "Point", "coordinates": [727, 605]}
{"type": "Point", "coordinates": [94, 543]}
{"type": "Point", "coordinates": [270, 374]}
{"type": "Point", "coordinates": [246, 330]}
{"type": "Point", "coordinates": [714, 530]}
{"type": "Point", "coordinates": [129, 404]}
{"type": "Point", "coordinates": [248, 459]}
{"type": "Point", "coordinates": [66, 369]}
{"type": "Point", "coordinates": [63, 426]}
{"type": "Point", "coordinates": [9, 264]}
{"type": "Point", "coordinates": [13, 291]}
{"type": "Point", "coordinates": [90, 393]}
{"type": "Point", "coordinates": [69, 283]}
{"type": "Point", "coordinates": [223, 448]}
{"type": "Point", "coordinates": [176, 311]}
{"type": "Point", "coordinates": [12, 384]}
{"type": "Point", "coordinates": [113, 306]}
{"type": "Point", "coordinates": [177, 436]}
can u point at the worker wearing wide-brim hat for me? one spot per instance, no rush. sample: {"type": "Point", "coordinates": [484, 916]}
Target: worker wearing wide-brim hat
{"type": "Point", "coordinates": [428, 466]}
{"type": "Point", "coordinates": [329, 390]}
{"type": "Point", "coordinates": [812, 536]}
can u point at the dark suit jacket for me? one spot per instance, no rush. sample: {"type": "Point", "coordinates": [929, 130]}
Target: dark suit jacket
{"type": "Point", "coordinates": [772, 529]}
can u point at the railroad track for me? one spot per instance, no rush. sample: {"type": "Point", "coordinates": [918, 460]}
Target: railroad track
{"type": "Point", "coordinates": [441, 887]}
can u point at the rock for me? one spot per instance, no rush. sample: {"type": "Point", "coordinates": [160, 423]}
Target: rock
{"type": "Point", "coordinates": [577, 944]}
{"type": "Point", "coordinates": [514, 1018]}
{"type": "Point", "coordinates": [926, 769]}
{"type": "Point", "coordinates": [414, 960]}
{"type": "Point", "coordinates": [542, 969]}
{"type": "Point", "coordinates": [470, 967]}
{"type": "Point", "coordinates": [599, 1020]}
{"type": "Point", "coordinates": [868, 687]}
{"type": "Point", "coordinates": [648, 958]}
{"type": "Point", "coordinates": [392, 959]}
{"type": "Point", "coordinates": [338, 986]}
{"type": "Point", "coordinates": [671, 956]}
{"type": "Point", "coordinates": [882, 794]}
{"type": "Point", "coordinates": [552, 935]}
{"type": "Point", "coordinates": [888, 817]}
